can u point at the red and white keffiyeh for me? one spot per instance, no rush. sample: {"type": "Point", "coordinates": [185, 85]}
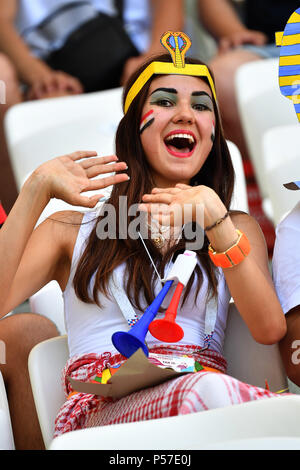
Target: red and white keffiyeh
{"type": "Point", "coordinates": [189, 393]}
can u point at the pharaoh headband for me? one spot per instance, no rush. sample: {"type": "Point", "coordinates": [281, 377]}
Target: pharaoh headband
{"type": "Point", "coordinates": [177, 44]}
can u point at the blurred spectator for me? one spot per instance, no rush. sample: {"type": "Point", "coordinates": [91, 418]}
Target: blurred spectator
{"type": "Point", "coordinates": [286, 275]}
{"type": "Point", "coordinates": [52, 48]}
{"type": "Point", "coordinates": [241, 39]}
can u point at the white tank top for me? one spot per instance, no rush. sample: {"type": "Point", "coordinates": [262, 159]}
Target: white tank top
{"type": "Point", "coordinates": [90, 328]}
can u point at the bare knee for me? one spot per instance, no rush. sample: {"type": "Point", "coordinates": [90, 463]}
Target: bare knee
{"type": "Point", "coordinates": [28, 327]}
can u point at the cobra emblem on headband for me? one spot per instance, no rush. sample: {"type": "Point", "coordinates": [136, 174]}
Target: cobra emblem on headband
{"type": "Point", "coordinates": [177, 44]}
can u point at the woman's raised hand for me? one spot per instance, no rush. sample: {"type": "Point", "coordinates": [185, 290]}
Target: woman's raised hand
{"type": "Point", "coordinates": [68, 176]}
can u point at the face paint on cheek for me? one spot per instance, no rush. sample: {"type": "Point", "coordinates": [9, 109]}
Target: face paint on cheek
{"type": "Point", "coordinates": [146, 120]}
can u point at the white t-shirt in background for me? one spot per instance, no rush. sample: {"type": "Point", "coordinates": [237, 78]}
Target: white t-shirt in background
{"type": "Point", "coordinates": [286, 260]}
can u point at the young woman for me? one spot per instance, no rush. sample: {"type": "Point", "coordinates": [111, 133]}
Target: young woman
{"type": "Point", "coordinates": [170, 143]}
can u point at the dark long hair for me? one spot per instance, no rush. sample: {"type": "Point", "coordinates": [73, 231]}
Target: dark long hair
{"type": "Point", "coordinates": [101, 257]}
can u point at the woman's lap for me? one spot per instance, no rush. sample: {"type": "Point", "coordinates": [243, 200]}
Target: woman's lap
{"type": "Point", "coordinates": [186, 394]}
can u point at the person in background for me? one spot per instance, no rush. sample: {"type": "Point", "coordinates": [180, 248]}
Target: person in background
{"type": "Point", "coordinates": [32, 34]}
{"type": "Point", "coordinates": [29, 329]}
{"type": "Point", "coordinates": [286, 276]}
{"type": "Point", "coordinates": [19, 333]}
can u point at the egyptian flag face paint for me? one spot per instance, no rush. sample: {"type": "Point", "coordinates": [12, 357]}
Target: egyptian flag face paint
{"type": "Point", "coordinates": [159, 97]}
{"type": "Point", "coordinates": [146, 120]}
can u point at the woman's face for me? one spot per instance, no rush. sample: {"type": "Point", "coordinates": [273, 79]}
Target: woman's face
{"type": "Point", "coordinates": [177, 124]}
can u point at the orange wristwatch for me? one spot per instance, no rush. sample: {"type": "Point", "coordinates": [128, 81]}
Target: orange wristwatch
{"type": "Point", "coordinates": [234, 255]}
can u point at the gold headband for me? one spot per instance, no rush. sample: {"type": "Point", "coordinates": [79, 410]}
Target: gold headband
{"type": "Point", "coordinates": [166, 68]}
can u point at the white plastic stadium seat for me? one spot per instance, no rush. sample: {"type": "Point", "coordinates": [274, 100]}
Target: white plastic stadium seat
{"type": "Point", "coordinates": [46, 362]}
{"type": "Point", "coordinates": [261, 424]}
{"type": "Point", "coordinates": [37, 131]}
{"type": "Point", "coordinates": [248, 361]}
{"type": "Point", "coordinates": [261, 107]}
{"type": "Point", "coordinates": [239, 197]}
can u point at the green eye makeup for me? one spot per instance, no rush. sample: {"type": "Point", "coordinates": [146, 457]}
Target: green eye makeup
{"type": "Point", "coordinates": [202, 101]}
{"type": "Point", "coordinates": [162, 95]}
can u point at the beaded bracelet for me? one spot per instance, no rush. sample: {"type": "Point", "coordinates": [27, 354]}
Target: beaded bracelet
{"type": "Point", "coordinates": [218, 222]}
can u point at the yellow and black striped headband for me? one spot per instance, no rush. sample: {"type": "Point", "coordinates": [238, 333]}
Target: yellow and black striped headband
{"type": "Point", "coordinates": [177, 44]}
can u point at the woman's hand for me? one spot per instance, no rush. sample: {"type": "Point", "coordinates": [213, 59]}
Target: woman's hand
{"type": "Point", "coordinates": [183, 204]}
{"type": "Point", "coordinates": [53, 83]}
{"type": "Point", "coordinates": [67, 177]}
{"type": "Point", "coordinates": [236, 39]}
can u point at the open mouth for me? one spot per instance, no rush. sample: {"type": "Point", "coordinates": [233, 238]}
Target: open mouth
{"type": "Point", "coordinates": [180, 144]}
